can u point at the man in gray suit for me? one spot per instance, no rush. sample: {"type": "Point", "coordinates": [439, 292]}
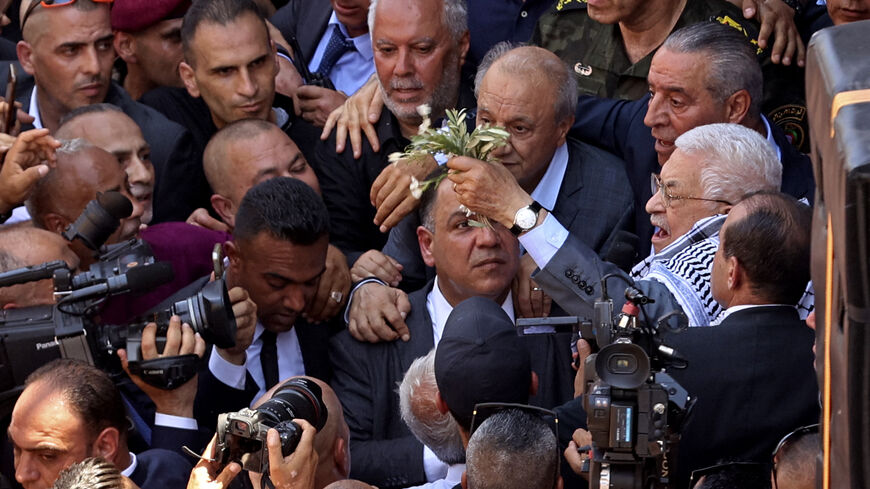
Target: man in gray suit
{"type": "Point", "coordinates": [713, 167]}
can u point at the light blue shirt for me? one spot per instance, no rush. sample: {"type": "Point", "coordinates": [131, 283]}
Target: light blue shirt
{"type": "Point", "coordinates": [354, 67]}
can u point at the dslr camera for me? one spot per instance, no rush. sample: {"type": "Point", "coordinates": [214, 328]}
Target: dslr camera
{"type": "Point", "coordinates": [242, 435]}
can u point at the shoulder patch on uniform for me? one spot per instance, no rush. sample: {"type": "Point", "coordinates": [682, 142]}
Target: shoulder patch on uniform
{"type": "Point", "coordinates": [570, 5]}
{"type": "Point", "coordinates": [792, 119]}
{"type": "Point", "coordinates": [725, 19]}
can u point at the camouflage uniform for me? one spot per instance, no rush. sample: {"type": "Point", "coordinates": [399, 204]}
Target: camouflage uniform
{"type": "Point", "coordinates": [596, 54]}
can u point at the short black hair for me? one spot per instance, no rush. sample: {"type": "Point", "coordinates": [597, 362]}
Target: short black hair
{"type": "Point", "coordinates": [286, 208]}
{"type": "Point", "coordinates": [429, 197]}
{"type": "Point", "coordinates": [88, 109]}
{"type": "Point", "coordinates": [89, 391]}
{"type": "Point", "coordinates": [220, 12]}
{"type": "Point", "coordinates": [772, 244]}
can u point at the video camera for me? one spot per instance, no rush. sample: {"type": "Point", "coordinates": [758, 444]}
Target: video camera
{"type": "Point", "coordinates": [33, 336]}
{"type": "Point", "coordinates": [241, 435]}
{"type": "Point", "coordinates": [634, 408]}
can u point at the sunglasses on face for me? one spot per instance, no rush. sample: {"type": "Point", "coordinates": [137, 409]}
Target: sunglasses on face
{"type": "Point", "coordinates": [51, 4]}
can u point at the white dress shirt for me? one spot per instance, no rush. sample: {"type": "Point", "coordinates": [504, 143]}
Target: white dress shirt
{"type": "Point", "coordinates": [289, 361]}
{"type": "Point", "coordinates": [354, 67]}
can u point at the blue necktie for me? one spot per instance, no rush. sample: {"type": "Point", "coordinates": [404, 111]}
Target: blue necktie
{"type": "Point", "coordinates": [337, 46]}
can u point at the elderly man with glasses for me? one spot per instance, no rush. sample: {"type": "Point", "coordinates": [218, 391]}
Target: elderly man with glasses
{"type": "Point", "coordinates": [712, 168]}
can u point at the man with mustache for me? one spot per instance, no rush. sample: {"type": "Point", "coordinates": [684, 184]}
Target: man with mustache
{"type": "Point", "coordinates": [68, 51]}
{"type": "Point", "coordinates": [419, 47]}
{"type": "Point", "coordinates": [470, 261]}
{"type": "Point", "coordinates": [711, 169]}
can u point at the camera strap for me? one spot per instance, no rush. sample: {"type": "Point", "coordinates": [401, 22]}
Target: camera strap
{"type": "Point", "coordinates": [167, 372]}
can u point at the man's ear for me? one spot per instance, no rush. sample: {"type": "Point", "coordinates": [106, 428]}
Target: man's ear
{"type": "Point", "coordinates": [55, 222]}
{"type": "Point", "coordinates": [562, 129]}
{"type": "Point", "coordinates": [560, 484]}
{"type": "Point", "coordinates": [464, 44]}
{"type": "Point", "coordinates": [187, 76]}
{"type": "Point", "coordinates": [125, 46]}
{"type": "Point", "coordinates": [225, 208]}
{"type": "Point", "coordinates": [735, 273]}
{"type": "Point", "coordinates": [440, 404]}
{"type": "Point", "coordinates": [107, 444]}
{"type": "Point", "coordinates": [341, 456]}
{"type": "Point", "coordinates": [231, 248]}
{"type": "Point", "coordinates": [25, 56]}
{"type": "Point", "coordinates": [737, 106]}
{"type": "Point", "coordinates": [425, 238]}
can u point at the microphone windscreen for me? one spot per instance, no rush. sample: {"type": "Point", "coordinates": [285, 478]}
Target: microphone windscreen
{"type": "Point", "coordinates": [147, 277]}
{"type": "Point", "coordinates": [115, 204]}
{"type": "Point", "coordinates": [622, 251]}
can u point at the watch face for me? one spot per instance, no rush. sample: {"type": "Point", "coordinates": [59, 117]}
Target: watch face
{"type": "Point", "coordinates": [525, 218]}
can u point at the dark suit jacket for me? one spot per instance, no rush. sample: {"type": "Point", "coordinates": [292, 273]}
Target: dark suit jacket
{"type": "Point", "coordinates": [304, 19]}
{"type": "Point", "coordinates": [170, 143]}
{"type": "Point", "coordinates": [754, 379]}
{"type": "Point", "coordinates": [617, 125]}
{"type": "Point", "coordinates": [593, 202]}
{"type": "Point", "coordinates": [161, 469]}
{"type": "Point", "coordinates": [383, 450]}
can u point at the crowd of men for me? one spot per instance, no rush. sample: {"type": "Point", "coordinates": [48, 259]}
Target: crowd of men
{"type": "Point", "coordinates": [656, 144]}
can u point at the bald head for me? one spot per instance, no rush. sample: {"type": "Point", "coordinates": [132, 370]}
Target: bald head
{"type": "Point", "coordinates": [245, 153]}
{"type": "Point", "coordinates": [536, 67]}
{"type": "Point", "coordinates": [81, 171]}
{"type": "Point", "coordinates": [24, 246]}
{"type": "Point", "coordinates": [35, 26]}
{"type": "Point", "coordinates": [331, 442]}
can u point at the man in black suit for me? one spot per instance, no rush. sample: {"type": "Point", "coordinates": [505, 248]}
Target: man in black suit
{"type": "Point", "coordinates": [471, 261]}
{"type": "Point", "coordinates": [68, 51]}
{"type": "Point", "coordinates": [335, 42]}
{"type": "Point", "coordinates": [724, 84]}
{"type": "Point", "coordinates": [277, 255]}
{"type": "Point", "coordinates": [69, 411]}
{"type": "Point", "coordinates": [761, 352]}
{"type": "Point", "coordinates": [410, 74]}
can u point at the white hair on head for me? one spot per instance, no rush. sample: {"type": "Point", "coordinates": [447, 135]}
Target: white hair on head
{"type": "Point", "coordinates": [437, 430]}
{"type": "Point", "coordinates": [70, 146]}
{"type": "Point", "coordinates": [735, 160]}
{"type": "Point", "coordinates": [455, 17]}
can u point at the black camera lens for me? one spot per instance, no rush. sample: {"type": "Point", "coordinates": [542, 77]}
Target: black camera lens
{"type": "Point", "coordinates": [210, 314]}
{"type": "Point", "coordinates": [297, 398]}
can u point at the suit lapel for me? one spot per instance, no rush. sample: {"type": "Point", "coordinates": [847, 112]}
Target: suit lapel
{"type": "Point", "coordinates": [420, 326]}
{"type": "Point", "coordinates": [567, 205]}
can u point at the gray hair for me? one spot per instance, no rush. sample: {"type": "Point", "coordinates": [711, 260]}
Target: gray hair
{"type": "Point", "coordinates": [90, 473]}
{"type": "Point", "coordinates": [438, 431]}
{"type": "Point", "coordinates": [455, 17]}
{"type": "Point", "coordinates": [70, 146]}
{"type": "Point", "coordinates": [733, 61]}
{"type": "Point", "coordinates": [531, 67]}
{"type": "Point", "coordinates": [512, 449]}
{"type": "Point", "coordinates": [735, 161]}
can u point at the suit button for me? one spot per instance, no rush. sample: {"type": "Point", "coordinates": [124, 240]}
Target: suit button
{"type": "Point", "coordinates": [589, 290]}
{"type": "Point", "coordinates": [582, 284]}
{"type": "Point", "coordinates": [569, 273]}
{"type": "Point", "coordinates": [575, 279]}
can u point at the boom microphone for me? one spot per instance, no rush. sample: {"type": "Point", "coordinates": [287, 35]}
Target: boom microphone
{"type": "Point", "coordinates": [138, 279]}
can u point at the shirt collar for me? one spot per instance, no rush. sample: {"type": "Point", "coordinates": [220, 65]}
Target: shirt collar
{"type": "Point", "coordinates": [132, 467]}
{"type": "Point", "coordinates": [733, 309]}
{"type": "Point", "coordinates": [454, 473]}
{"type": "Point", "coordinates": [34, 110]}
{"type": "Point", "coordinates": [362, 43]}
{"type": "Point", "coordinates": [439, 309]}
{"type": "Point", "coordinates": [770, 138]}
{"type": "Point", "coordinates": [547, 190]}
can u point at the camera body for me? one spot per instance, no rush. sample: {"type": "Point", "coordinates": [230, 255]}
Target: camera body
{"type": "Point", "coordinates": [242, 435]}
{"type": "Point", "coordinates": [634, 408]}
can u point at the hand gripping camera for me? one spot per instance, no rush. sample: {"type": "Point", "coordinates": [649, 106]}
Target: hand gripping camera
{"type": "Point", "coordinates": [242, 435]}
{"type": "Point", "coordinates": [634, 408]}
